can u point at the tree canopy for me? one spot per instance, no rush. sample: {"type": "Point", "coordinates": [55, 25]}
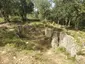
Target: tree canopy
{"type": "Point", "coordinates": [66, 12]}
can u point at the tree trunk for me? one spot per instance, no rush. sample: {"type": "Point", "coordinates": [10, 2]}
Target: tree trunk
{"type": "Point", "coordinates": [66, 21]}
{"type": "Point", "coordinates": [45, 19]}
{"type": "Point", "coordinates": [69, 23]}
{"type": "Point", "coordinates": [76, 25]}
{"type": "Point", "coordinates": [6, 16]}
{"type": "Point", "coordinates": [24, 17]}
{"type": "Point", "coordinates": [58, 21]}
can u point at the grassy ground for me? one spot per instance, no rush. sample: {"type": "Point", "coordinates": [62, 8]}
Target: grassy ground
{"type": "Point", "coordinates": [33, 48]}
{"type": "Point", "coordinates": [1, 19]}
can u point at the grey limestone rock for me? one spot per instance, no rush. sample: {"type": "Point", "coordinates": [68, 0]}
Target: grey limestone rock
{"type": "Point", "coordinates": [69, 43]}
{"type": "Point", "coordinates": [48, 32]}
{"type": "Point", "coordinates": [55, 40]}
{"type": "Point", "coordinates": [61, 39]}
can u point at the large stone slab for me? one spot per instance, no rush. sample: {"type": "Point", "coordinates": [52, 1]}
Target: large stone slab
{"type": "Point", "coordinates": [69, 43]}
{"type": "Point", "coordinates": [60, 38]}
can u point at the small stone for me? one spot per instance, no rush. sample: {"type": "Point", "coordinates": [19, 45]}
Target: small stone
{"type": "Point", "coordinates": [27, 42]}
{"type": "Point", "coordinates": [14, 57]}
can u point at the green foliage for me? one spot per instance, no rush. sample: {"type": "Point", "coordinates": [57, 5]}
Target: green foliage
{"type": "Point", "coordinates": [60, 50]}
{"type": "Point", "coordinates": [25, 7]}
{"type": "Point", "coordinates": [14, 7]}
{"type": "Point", "coordinates": [15, 18]}
{"type": "Point", "coordinates": [6, 8]}
{"type": "Point", "coordinates": [1, 19]}
{"type": "Point", "coordinates": [66, 12]}
{"type": "Point", "coordinates": [69, 13]}
{"type": "Point", "coordinates": [43, 7]}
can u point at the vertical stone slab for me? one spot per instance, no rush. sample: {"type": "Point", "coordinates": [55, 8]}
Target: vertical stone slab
{"type": "Point", "coordinates": [54, 42]}
{"type": "Point", "coordinates": [62, 40]}
{"type": "Point", "coordinates": [48, 32]}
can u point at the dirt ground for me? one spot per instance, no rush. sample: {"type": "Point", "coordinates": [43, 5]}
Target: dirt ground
{"type": "Point", "coordinates": [32, 57]}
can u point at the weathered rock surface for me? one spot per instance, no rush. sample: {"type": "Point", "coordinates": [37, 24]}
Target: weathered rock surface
{"type": "Point", "coordinates": [48, 32]}
{"type": "Point", "coordinates": [69, 43]}
{"type": "Point", "coordinates": [61, 39]}
{"type": "Point", "coordinates": [82, 51]}
{"type": "Point", "coordinates": [54, 42]}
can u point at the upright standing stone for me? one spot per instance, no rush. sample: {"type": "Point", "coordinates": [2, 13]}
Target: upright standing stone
{"type": "Point", "coordinates": [54, 42]}
{"type": "Point", "coordinates": [62, 39]}
{"type": "Point", "coordinates": [48, 32]}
